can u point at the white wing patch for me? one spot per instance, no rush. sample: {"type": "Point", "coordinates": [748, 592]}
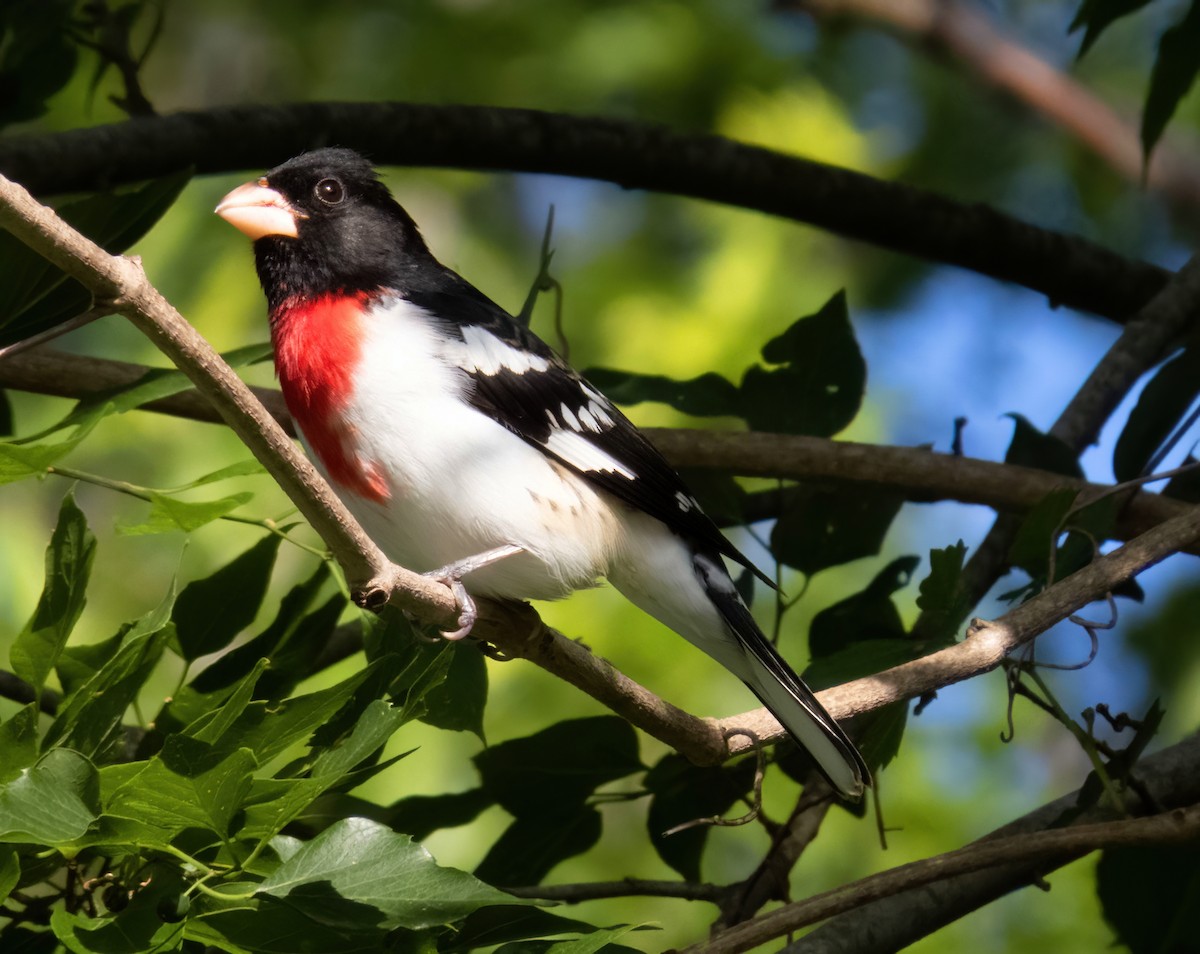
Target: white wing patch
{"type": "Point", "coordinates": [583, 455]}
{"type": "Point", "coordinates": [483, 353]}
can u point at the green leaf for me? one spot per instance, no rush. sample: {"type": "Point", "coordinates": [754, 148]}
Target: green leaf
{"type": "Point", "coordinates": [68, 567]}
{"type": "Point", "coordinates": [1097, 15]}
{"type": "Point", "coordinates": [708, 395]}
{"type": "Point", "coordinates": [1162, 404]}
{"type": "Point", "coordinates": [10, 871]}
{"type": "Point", "coordinates": [250, 467]}
{"type": "Point", "coordinates": [363, 862]}
{"type": "Point", "coordinates": [867, 615]}
{"type": "Point", "coordinates": [818, 385]}
{"type": "Point", "coordinates": [51, 803]}
{"type": "Point", "coordinates": [291, 796]}
{"type": "Point", "coordinates": [419, 815]}
{"type": "Point", "coordinates": [170, 513]}
{"type": "Point", "coordinates": [942, 601]}
{"type": "Point", "coordinates": [21, 460]}
{"type": "Point", "coordinates": [267, 925]}
{"type": "Point", "coordinates": [532, 845]}
{"type": "Point", "coordinates": [292, 642]}
{"type": "Point", "coordinates": [225, 718]}
{"type": "Point", "coordinates": [37, 58]}
{"type": "Point", "coordinates": [1031, 448]}
{"type": "Point", "coordinates": [1185, 486]}
{"type": "Point", "coordinates": [824, 528]}
{"type": "Point", "coordinates": [270, 729]}
{"type": "Point", "coordinates": [862, 658]}
{"type": "Point", "coordinates": [21, 940]}
{"type": "Point", "coordinates": [457, 703]}
{"type": "Point", "coordinates": [603, 939]}
{"type": "Point", "coordinates": [18, 741]}
{"type": "Point", "coordinates": [681, 792]}
{"type": "Point", "coordinates": [90, 721]}
{"type": "Point", "coordinates": [1038, 534]}
{"type": "Point", "coordinates": [500, 923]}
{"type": "Point", "coordinates": [1151, 896]}
{"type": "Point", "coordinates": [79, 664]}
{"type": "Point", "coordinates": [879, 733]}
{"type": "Point", "coordinates": [558, 767]}
{"type": "Point", "coordinates": [211, 612]}
{"type": "Point", "coordinates": [35, 295]}
{"type": "Point", "coordinates": [153, 385]}
{"type": "Point", "coordinates": [1174, 72]}
{"type": "Point", "coordinates": [190, 784]}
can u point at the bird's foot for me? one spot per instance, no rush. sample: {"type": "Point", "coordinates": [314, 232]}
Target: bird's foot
{"type": "Point", "coordinates": [451, 575]}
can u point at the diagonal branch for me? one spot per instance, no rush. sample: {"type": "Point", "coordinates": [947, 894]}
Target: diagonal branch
{"type": "Point", "coordinates": [1068, 270]}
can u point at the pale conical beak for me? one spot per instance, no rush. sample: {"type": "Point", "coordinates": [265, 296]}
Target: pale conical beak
{"type": "Point", "coordinates": [258, 211]}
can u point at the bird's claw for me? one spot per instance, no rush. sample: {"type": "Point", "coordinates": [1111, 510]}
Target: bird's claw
{"type": "Point", "coordinates": [452, 575]}
{"type": "Point", "coordinates": [467, 613]}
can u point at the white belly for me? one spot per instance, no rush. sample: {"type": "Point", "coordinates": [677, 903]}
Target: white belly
{"type": "Point", "coordinates": [458, 483]}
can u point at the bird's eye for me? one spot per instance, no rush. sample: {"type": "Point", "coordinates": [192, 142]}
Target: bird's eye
{"type": "Point", "coordinates": [330, 191]}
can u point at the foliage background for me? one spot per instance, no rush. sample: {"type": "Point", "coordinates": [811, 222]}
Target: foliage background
{"type": "Point", "coordinates": [671, 286]}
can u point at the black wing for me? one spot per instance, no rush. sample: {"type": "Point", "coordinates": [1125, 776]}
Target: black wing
{"type": "Point", "coordinates": [522, 384]}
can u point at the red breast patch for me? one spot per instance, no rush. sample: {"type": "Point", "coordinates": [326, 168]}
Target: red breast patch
{"type": "Point", "coordinates": [318, 343]}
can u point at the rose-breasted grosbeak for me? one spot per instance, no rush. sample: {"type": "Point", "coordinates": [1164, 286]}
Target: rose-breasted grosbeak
{"type": "Point", "coordinates": [461, 441]}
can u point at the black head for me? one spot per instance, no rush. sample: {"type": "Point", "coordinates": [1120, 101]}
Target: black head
{"type": "Point", "coordinates": [323, 222]}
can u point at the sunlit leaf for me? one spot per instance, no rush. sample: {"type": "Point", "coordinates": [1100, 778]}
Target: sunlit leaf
{"type": "Point", "coordinates": [360, 861]}
{"type": "Point", "coordinates": [168, 513]}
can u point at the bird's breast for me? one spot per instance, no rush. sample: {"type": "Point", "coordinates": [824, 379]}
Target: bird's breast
{"type": "Point", "coordinates": [319, 343]}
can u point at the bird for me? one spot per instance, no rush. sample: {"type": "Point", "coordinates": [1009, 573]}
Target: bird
{"type": "Point", "coordinates": [468, 449]}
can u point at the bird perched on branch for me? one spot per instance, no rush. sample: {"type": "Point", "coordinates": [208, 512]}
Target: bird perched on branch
{"type": "Point", "coordinates": [468, 449]}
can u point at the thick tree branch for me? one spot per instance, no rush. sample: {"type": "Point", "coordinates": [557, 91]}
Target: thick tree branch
{"type": "Point", "coordinates": [1055, 847]}
{"type": "Point", "coordinates": [918, 474]}
{"type": "Point", "coordinates": [1068, 270]}
{"type": "Point", "coordinates": [1172, 779]}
